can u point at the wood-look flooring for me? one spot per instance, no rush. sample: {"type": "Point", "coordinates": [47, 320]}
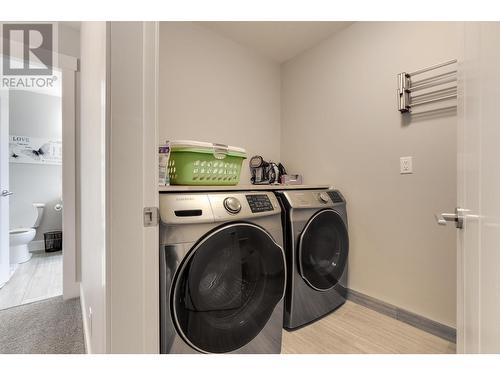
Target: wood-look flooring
{"type": "Point", "coordinates": [355, 329]}
{"type": "Point", "coordinates": [37, 279]}
{"type": "Point", "coordinates": [351, 329]}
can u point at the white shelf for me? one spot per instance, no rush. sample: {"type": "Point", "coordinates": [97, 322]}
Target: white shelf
{"type": "Point", "coordinates": [184, 188]}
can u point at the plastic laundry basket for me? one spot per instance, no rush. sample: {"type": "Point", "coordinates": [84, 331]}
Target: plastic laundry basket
{"type": "Point", "coordinates": [202, 163]}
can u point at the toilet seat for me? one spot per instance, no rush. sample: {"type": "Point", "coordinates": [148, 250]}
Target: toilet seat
{"type": "Point", "coordinates": [20, 230]}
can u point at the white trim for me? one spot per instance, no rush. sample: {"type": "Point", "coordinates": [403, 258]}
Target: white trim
{"type": "Point", "coordinates": [86, 331]}
{"type": "Point", "coordinates": [71, 287]}
{"type": "Point", "coordinates": [151, 307]}
{"type": "Point", "coordinates": [4, 181]}
{"type": "Point", "coordinates": [465, 30]}
{"type": "Point", "coordinates": [132, 250]}
{"type": "Point", "coordinates": [107, 188]}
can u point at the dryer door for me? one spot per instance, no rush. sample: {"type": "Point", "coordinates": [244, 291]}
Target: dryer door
{"type": "Point", "coordinates": [227, 288]}
{"type": "Point", "coordinates": [323, 250]}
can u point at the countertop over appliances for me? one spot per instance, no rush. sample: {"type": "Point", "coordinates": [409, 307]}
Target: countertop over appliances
{"type": "Point", "coordinates": [185, 188]}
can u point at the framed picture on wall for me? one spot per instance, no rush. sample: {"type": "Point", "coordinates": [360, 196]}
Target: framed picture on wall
{"type": "Point", "coordinates": [30, 150]}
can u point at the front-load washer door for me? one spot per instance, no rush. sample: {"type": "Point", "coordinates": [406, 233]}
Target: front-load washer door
{"type": "Point", "coordinates": [227, 288]}
{"type": "Point", "coordinates": [323, 250]}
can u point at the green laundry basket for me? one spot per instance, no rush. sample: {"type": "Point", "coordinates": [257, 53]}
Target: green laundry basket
{"type": "Point", "coordinates": [202, 163]}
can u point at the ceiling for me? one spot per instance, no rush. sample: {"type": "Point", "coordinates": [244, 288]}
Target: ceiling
{"type": "Point", "coordinates": [279, 41]}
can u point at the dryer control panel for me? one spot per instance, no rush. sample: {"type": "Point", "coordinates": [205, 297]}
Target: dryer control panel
{"type": "Point", "coordinates": [313, 198]}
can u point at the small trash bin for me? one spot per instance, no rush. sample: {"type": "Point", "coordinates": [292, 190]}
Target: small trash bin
{"type": "Point", "coordinates": [53, 241]}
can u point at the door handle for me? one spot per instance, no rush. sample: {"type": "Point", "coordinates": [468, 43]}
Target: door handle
{"type": "Point", "coordinates": [6, 193]}
{"type": "Point", "coordinates": [457, 217]}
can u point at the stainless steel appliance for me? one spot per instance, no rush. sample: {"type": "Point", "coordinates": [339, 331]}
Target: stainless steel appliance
{"type": "Point", "coordinates": [316, 248]}
{"type": "Point", "coordinates": [222, 273]}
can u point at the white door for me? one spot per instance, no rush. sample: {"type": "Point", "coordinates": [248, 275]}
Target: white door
{"type": "Point", "coordinates": [4, 188]}
{"type": "Point", "coordinates": [478, 287]}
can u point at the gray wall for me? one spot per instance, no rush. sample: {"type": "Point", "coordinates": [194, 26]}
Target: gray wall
{"type": "Point", "coordinates": [340, 125]}
{"type": "Point", "coordinates": [213, 89]}
{"type": "Point", "coordinates": [35, 115]}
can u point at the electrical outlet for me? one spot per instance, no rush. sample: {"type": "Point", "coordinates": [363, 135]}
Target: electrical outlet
{"type": "Point", "coordinates": [405, 165]}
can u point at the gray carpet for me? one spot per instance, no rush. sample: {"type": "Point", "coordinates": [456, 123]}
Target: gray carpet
{"type": "Point", "coordinates": [51, 326]}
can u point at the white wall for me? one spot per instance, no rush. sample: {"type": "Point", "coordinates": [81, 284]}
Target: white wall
{"type": "Point", "coordinates": [213, 89]}
{"type": "Point", "coordinates": [340, 125]}
{"type": "Point", "coordinates": [93, 187]}
{"type": "Point", "coordinates": [35, 115]}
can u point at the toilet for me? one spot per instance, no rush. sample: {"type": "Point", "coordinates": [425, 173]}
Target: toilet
{"type": "Point", "coordinates": [19, 238]}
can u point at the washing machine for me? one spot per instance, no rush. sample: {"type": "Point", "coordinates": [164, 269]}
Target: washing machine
{"type": "Point", "coordinates": [316, 248]}
{"type": "Point", "coordinates": [222, 273]}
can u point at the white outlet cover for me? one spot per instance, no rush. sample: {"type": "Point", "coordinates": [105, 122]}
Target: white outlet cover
{"type": "Point", "coordinates": [405, 165]}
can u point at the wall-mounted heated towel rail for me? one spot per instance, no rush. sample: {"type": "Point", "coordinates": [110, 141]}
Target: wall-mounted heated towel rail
{"type": "Point", "coordinates": [441, 87]}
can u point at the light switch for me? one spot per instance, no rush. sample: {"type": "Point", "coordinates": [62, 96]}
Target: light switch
{"type": "Point", "coordinates": [405, 165]}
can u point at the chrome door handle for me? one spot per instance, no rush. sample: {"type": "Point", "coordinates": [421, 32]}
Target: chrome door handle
{"type": "Point", "coordinates": [457, 217]}
{"type": "Point", "coordinates": [6, 193]}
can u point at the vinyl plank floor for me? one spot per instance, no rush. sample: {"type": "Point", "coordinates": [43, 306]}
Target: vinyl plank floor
{"type": "Point", "coordinates": [355, 329]}
{"type": "Point", "coordinates": [39, 278]}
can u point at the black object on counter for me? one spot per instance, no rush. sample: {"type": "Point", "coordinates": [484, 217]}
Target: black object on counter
{"type": "Point", "coordinates": [263, 172]}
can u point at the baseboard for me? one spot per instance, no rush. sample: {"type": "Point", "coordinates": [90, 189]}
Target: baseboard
{"type": "Point", "coordinates": [86, 331]}
{"type": "Point", "coordinates": [36, 246]}
{"type": "Point", "coordinates": [408, 317]}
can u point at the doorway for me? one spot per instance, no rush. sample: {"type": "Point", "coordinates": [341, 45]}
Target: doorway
{"type": "Point", "coordinates": [35, 203]}
{"type": "Point", "coordinates": [38, 202]}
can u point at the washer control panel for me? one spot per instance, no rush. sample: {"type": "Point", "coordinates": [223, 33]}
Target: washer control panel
{"type": "Point", "coordinates": [232, 205]}
{"type": "Point", "coordinates": [259, 203]}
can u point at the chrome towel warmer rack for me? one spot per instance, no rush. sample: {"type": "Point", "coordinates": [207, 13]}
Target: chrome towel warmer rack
{"type": "Point", "coordinates": [407, 86]}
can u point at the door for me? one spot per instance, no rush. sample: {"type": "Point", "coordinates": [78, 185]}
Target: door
{"type": "Point", "coordinates": [478, 299]}
{"type": "Point", "coordinates": [323, 250]}
{"type": "Point", "coordinates": [4, 187]}
{"type": "Point", "coordinates": [227, 288]}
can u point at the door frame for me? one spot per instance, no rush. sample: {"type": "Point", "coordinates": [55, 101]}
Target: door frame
{"type": "Point", "coordinates": [478, 330]}
{"type": "Point", "coordinates": [132, 256]}
{"type": "Point", "coordinates": [151, 257]}
{"type": "Point", "coordinates": [68, 66]}
{"type": "Point", "coordinates": [4, 153]}
{"type": "Point", "coordinates": [461, 162]}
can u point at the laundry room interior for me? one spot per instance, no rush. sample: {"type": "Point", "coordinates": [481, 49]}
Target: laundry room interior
{"type": "Point", "coordinates": [321, 99]}
{"type": "Point", "coordinates": [295, 181]}
{"type": "Point", "coordinates": [259, 187]}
